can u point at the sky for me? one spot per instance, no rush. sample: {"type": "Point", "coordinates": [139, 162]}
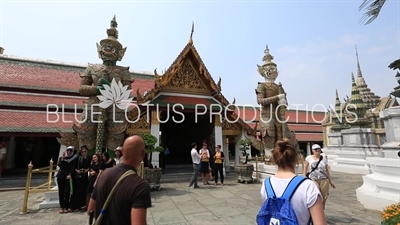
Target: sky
{"type": "Point", "coordinates": [313, 42]}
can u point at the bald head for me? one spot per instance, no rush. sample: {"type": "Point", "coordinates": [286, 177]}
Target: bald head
{"type": "Point", "coordinates": [133, 150]}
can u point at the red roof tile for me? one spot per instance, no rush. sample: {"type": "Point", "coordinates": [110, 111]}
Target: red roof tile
{"type": "Point", "coordinates": [35, 122]}
{"type": "Point", "coordinates": [305, 127]}
{"type": "Point", "coordinates": [18, 99]}
{"type": "Point", "coordinates": [249, 114]}
{"type": "Point", "coordinates": [53, 79]}
{"type": "Point", "coordinates": [309, 136]}
{"type": "Point", "coordinates": [24, 76]}
{"type": "Point", "coordinates": [143, 85]}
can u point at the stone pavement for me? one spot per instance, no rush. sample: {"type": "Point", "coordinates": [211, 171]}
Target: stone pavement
{"type": "Point", "coordinates": [176, 204]}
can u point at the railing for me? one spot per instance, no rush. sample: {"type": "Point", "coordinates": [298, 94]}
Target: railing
{"type": "Point", "coordinates": [269, 161]}
{"type": "Point", "coordinates": [38, 189]}
{"type": "Point", "coordinates": [141, 170]}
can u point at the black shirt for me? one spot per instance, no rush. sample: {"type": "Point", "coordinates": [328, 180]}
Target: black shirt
{"type": "Point", "coordinates": [132, 192]}
{"type": "Point", "coordinates": [67, 166]}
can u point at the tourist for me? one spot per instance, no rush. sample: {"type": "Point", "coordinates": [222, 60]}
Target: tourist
{"type": "Point", "coordinates": [106, 162]}
{"type": "Point", "coordinates": [205, 164]}
{"type": "Point", "coordinates": [306, 200]}
{"type": "Point", "coordinates": [118, 156]}
{"type": "Point", "coordinates": [129, 204]}
{"type": "Point", "coordinates": [94, 170]}
{"type": "Point", "coordinates": [317, 169]}
{"type": "Point", "coordinates": [3, 152]}
{"type": "Point", "coordinates": [66, 164]}
{"type": "Point", "coordinates": [219, 164]}
{"type": "Point", "coordinates": [196, 164]}
{"type": "Point", "coordinates": [81, 180]}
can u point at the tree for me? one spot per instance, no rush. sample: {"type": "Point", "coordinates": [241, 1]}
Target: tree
{"type": "Point", "coordinates": [150, 145]}
{"type": "Point", "coordinates": [373, 8]}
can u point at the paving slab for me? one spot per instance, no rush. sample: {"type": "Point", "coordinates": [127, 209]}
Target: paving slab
{"type": "Point", "coordinates": [176, 204]}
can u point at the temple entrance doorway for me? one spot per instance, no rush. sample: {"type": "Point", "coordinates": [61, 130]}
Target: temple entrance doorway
{"type": "Point", "coordinates": [178, 136]}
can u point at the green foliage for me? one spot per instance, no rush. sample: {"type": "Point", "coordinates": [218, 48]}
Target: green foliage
{"type": "Point", "coordinates": [245, 144]}
{"type": "Point", "coordinates": [150, 142]}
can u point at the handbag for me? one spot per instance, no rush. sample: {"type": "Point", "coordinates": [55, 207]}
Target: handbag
{"type": "Point", "coordinates": [316, 166]}
{"type": "Point", "coordinates": [111, 194]}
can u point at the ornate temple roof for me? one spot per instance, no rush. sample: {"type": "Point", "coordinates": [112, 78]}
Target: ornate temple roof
{"type": "Point", "coordinates": [356, 98]}
{"type": "Point", "coordinates": [369, 98]}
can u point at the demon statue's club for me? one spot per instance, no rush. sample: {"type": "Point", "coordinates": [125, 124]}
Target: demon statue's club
{"type": "Point", "coordinates": [103, 127]}
{"type": "Point", "coordinates": [272, 98]}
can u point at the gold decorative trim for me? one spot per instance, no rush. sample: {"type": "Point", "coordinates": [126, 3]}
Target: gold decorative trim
{"type": "Point", "coordinates": [137, 132]}
{"type": "Point", "coordinates": [141, 125]}
{"type": "Point", "coordinates": [217, 120]}
{"type": "Point", "coordinates": [231, 132]}
{"type": "Point", "coordinates": [155, 118]}
{"type": "Point", "coordinates": [186, 91]}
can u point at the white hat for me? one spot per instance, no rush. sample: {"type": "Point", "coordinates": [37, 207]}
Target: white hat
{"type": "Point", "coordinates": [118, 148]}
{"type": "Point", "coordinates": [71, 147]}
{"type": "Point", "coordinates": [315, 146]}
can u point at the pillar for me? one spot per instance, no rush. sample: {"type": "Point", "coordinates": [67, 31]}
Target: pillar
{"type": "Point", "coordinates": [10, 155]}
{"type": "Point", "coordinates": [308, 149]}
{"type": "Point", "coordinates": [155, 131]}
{"type": "Point", "coordinates": [63, 148]}
{"type": "Point", "coordinates": [218, 132]}
{"type": "Point", "coordinates": [225, 146]}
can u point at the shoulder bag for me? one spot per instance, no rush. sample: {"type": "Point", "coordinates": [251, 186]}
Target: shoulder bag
{"type": "Point", "coordinates": [109, 197]}
{"type": "Point", "coordinates": [316, 166]}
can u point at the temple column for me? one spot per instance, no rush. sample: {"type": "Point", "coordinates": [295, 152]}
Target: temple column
{"type": "Point", "coordinates": [308, 149]}
{"type": "Point", "coordinates": [10, 155]}
{"type": "Point", "coordinates": [155, 131]}
{"type": "Point", "coordinates": [227, 163]}
{"type": "Point", "coordinates": [218, 131]}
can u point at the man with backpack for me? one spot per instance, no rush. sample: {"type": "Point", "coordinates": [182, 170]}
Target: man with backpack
{"type": "Point", "coordinates": [289, 199]}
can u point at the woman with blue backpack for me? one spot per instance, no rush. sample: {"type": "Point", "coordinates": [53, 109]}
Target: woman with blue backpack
{"type": "Point", "coordinates": [289, 199]}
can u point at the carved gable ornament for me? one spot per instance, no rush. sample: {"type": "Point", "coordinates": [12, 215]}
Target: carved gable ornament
{"type": "Point", "coordinates": [186, 79]}
{"type": "Point", "coordinates": [230, 128]}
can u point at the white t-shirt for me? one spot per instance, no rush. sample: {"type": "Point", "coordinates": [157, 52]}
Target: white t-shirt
{"type": "Point", "coordinates": [319, 173]}
{"type": "Point", "coordinates": [3, 150]}
{"type": "Point", "coordinates": [118, 161]}
{"type": "Point", "coordinates": [208, 153]}
{"type": "Point", "coordinates": [303, 198]}
{"type": "Point", "coordinates": [195, 156]}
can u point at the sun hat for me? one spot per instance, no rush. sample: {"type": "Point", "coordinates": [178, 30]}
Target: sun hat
{"type": "Point", "coordinates": [316, 146]}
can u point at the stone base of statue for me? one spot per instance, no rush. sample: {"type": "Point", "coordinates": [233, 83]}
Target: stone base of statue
{"type": "Point", "coordinates": [358, 144]}
{"type": "Point", "coordinates": [335, 143]}
{"type": "Point", "coordinates": [153, 176]}
{"type": "Point", "coordinates": [264, 170]}
{"type": "Point", "coordinates": [51, 199]}
{"type": "Point", "coordinates": [244, 173]}
{"type": "Point", "coordinates": [382, 187]}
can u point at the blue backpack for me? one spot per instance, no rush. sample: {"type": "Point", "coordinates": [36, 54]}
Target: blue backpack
{"type": "Point", "coordinates": [279, 211]}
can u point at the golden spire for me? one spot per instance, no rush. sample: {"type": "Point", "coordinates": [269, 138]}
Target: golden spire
{"type": "Point", "coordinates": [112, 34]}
{"type": "Point", "coordinates": [191, 35]}
{"type": "Point", "coordinates": [268, 57]}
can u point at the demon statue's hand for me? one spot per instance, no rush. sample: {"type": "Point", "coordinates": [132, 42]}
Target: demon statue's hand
{"type": "Point", "coordinates": [100, 85]}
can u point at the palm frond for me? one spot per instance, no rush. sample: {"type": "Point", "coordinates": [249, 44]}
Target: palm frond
{"type": "Point", "coordinates": [373, 8]}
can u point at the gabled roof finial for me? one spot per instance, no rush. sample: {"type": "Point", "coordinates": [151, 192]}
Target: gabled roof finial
{"type": "Point", "coordinates": [191, 34]}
